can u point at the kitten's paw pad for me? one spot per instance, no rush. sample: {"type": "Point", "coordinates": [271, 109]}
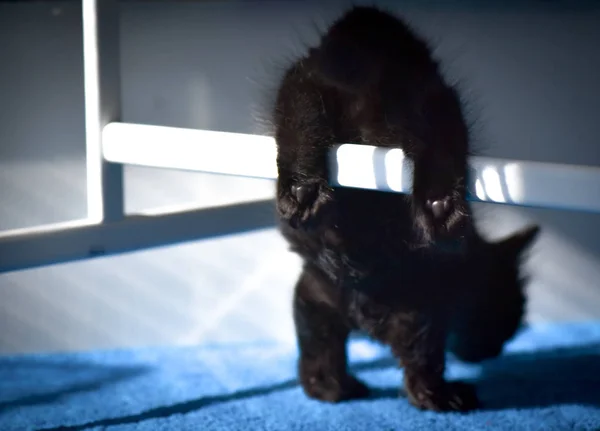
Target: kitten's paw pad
{"type": "Point", "coordinates": [452, 396]}
{"type": "Point", "coordinates": [329, 389]}
{"type": "Point", "coordinates": [302, 201]}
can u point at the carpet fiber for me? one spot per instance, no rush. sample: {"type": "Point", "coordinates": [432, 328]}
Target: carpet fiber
{"type": "Point", "coordinates": [548, 379]}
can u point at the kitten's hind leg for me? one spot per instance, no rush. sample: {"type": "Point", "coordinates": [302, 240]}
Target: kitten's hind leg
{"type": "Point", "coordinates": [440, 167]}
{"type": "Point", "coordinates": [322, 335]}
{"type": "Point", "coordinates": [303, 136]}
{"type": "Point", "coordinates": [439, 196]}
{"type": "Point", "coordinates": [301, 200]}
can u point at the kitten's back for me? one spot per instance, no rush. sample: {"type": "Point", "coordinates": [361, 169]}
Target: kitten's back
{"type": "Point", "coordinates": [367, 46]}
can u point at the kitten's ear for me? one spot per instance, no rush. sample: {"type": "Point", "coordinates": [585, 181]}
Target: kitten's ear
{"type": "Point", "coordinates": [518, 242]}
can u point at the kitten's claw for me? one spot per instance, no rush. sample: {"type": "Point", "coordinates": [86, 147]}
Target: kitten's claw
{"type": "Point", "coordinates": [439, 208]}
{"type": "Point", "coordinates": [440, 218]}
{"type": "Point", "coordinates": [334, 391]}
{"type": "Point", "coordinates": [302, 202]}
{"type": "Point", "coordinates": [304, 192]}
{"type": "Point", "coordinates": [452, 396]}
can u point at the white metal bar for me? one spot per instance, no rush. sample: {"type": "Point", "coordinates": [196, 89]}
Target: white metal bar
{"type": "Point", "coordinates": [514, 182]}
{"type": "Point", "coordinates": [493, 180]}
{"type": "Point", "coordinates": [102, 106]}
{"type": "Point", "coordinates": [75, 241]}
{"type": "Point", "coordinates": [196, 150]}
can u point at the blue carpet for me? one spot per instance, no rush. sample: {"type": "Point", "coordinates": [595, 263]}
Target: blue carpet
{"type": "Point", "coordinates": [548, 379]}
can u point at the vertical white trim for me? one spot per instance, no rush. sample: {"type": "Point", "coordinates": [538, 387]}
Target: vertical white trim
{"type": "Point", "coordinates": [102, 106]}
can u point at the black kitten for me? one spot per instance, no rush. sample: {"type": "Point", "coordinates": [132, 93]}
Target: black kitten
{"type": "Point", "coordinates": [410, 270]}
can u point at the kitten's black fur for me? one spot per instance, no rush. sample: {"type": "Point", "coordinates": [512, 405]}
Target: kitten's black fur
{"type": "Point", "coordinates": [412, 271]}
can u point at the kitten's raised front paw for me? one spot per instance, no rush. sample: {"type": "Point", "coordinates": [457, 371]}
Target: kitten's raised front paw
{"type": "Point", "coordinates": [302, 201]}
{"type": "Point", "coordinates": [330, 389]}
{"type": "Point", "coordinates": [451, 396]}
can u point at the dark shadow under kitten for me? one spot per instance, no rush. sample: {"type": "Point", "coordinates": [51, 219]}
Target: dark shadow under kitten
{"type": "Point", "coordinates": [411, 270]}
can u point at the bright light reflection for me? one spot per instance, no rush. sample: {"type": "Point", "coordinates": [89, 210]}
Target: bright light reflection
{"type": "Point", "coordinates": [514, 182]}
{"type": "Point", "coordinates": [355, 166]}
{"type": "Point", "coordinates": [190, 149]}
{"type": "Point", "coordinates": [492, 184]}
{"type": "Point", "coordinates": [479, 191]}
{"type": "Point", "coordinates": [394, 161]}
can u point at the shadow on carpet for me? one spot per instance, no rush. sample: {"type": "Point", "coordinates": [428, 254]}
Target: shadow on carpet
{"type": "Point", "coordinates": [533, 386]}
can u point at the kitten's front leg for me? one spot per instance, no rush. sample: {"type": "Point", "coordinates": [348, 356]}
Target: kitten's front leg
{"type": "Point", "coordinates": [322, 336]}
{"type": "Point", "coordinates": [419, 343]}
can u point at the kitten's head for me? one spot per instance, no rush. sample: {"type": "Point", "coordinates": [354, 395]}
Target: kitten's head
{"type": "Point", "coordinates": [504, 273]}
{"type": "Point", "coordinates": [495, 305]}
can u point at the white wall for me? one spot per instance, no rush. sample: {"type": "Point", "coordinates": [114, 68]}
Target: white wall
{"type": "Point", "coordinates": [530, 69]}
